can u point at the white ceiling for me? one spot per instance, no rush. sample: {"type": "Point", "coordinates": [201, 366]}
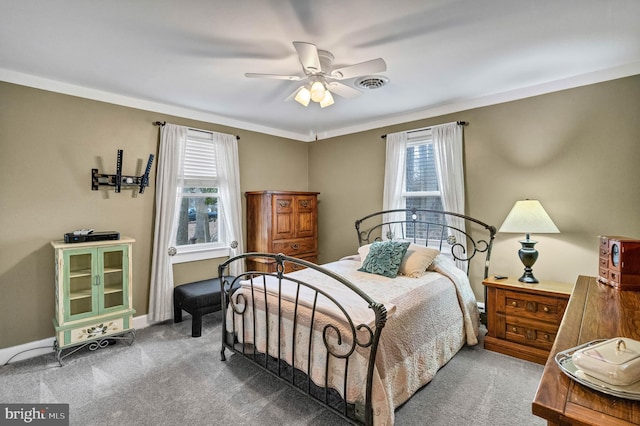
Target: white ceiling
{"type": "Point", "coordinates": [189, 57]}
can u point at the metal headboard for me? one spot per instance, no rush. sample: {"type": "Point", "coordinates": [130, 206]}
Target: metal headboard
{"type": "Point", "coordinates": [433, 228]}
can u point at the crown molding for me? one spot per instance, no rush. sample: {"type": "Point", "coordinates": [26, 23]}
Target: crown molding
{"type": "Point", "coordinates": [621, 71]}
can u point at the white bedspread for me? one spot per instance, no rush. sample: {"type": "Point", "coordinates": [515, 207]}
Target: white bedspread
{"type": "Point", "coordinates": [429, 320]}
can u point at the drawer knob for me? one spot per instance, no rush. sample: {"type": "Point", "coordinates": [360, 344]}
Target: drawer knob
{"type": "Point", "coordinates": [514, 303]}
{"type": "Point", "coordinates": [515, 329]}
{"type": "Point", "coordinates": [546, 309]}
{"type": "Point", "coordinates": [295, 246]}
{"type": "Point", "coordinates": [546, 336]}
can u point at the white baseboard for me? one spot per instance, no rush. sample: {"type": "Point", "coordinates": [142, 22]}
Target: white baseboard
{"type": "Point", "coordinates": [26, 350]}
{"type": "Point", "coordinates": [40, 347]}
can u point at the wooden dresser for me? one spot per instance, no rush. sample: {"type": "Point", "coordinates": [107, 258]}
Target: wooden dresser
{"type": "Point", "coordinates": [282, 222]}
{"type": "Point", "coordinates": [595, 311]}
{"type": "Point", "coordinates": [523, 319]}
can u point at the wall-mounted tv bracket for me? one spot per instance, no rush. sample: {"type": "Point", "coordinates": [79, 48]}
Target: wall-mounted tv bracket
{"type": "Point", "coordinates": [119, 180]}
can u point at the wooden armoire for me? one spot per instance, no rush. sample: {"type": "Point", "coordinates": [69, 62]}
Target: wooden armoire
{"type": "Point", "coordinates": [281, 222]}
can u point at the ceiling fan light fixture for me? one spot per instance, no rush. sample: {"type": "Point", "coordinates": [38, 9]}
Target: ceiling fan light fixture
{"type": "Point", "coordinates": [327, 100]}
{"type": "Point", "coordinates": [303, 96]}
{"type": "Point", "coordinates": [317, 91]}
{"type": "Point", "coordinates": [319, 76]}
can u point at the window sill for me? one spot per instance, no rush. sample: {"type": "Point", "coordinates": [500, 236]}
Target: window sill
{"type": "Point", "coordinates": [193, 255]}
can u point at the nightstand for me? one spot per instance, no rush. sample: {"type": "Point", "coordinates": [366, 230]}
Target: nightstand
{"type": "Point", "coordinates": [523, 319]}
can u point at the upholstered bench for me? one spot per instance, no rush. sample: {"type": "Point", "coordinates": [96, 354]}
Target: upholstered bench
{"type": "Point", "coordinates": [197, 298]}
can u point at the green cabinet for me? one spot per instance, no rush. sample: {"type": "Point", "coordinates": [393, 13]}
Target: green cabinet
{"type": "Point", "coordinates": [93, 291]}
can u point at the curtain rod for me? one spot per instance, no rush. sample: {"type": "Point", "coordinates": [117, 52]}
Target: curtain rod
{"type": "Point", "coordinates": [162, 123]}
{"type": "Point", "coordinates": [459, 123]}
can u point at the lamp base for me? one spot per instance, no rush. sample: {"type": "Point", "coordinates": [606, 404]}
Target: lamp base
{"type": "Point", "coordinates": [528, 277]}
{"type": "Point", "coordinates": [528, 255]}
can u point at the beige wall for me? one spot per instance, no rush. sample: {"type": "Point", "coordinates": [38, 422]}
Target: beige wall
{"type": "Point", "coordinates": [49, 144]}
{"type": "Point", "coordinates": [577, 151]}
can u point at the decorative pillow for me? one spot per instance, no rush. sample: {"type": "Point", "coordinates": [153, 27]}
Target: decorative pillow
{"type": "Point", "coordinates": [384, 258]}
{"type": "Point", "coordinates": [363, 252]}
{"type": "Point", "coordinates": [416, 260]}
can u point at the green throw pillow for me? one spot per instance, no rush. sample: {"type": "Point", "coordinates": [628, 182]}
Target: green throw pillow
{"type": "Point", "coordinates": [385, 257]}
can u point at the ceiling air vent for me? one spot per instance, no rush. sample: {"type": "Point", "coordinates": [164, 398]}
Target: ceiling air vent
{"type": "Point", "coordinates": [371, 82]}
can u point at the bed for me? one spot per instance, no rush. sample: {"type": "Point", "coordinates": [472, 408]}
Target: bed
{"type": "Point", "coordinates": [362, 334]}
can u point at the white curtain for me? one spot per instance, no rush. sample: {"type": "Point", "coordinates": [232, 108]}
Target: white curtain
{"type": "Point", "coordinates": [394, 170]}
{"type": "Point", "coordinates": [226, 147]}
{"type": "Point", "coordinates": [173, 140]}
{"type": "Point", "coordinates": [172, 143]}
{"type": "Point", "coordinates": [447, 144]}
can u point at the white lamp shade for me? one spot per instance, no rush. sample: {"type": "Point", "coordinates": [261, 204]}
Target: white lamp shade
{"type": "Point", "coordinates": [317, 91]}
{"type": "Point", "coordinates": [328, 99]}
{"type": "Point", "coordinates": [303, 96]}
{"type": "Point", "coordinates": [528, 217]}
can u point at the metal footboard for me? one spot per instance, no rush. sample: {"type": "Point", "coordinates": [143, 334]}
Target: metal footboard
{"type": "Point", "coordinates": [300, 333]}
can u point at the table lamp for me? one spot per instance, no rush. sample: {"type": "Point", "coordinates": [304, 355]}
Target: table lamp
{"type": "Point", "coordinates": [528, 217]}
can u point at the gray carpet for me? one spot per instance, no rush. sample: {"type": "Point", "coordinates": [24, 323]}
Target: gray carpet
{"type": "Point", "coordinates": [169, 378]}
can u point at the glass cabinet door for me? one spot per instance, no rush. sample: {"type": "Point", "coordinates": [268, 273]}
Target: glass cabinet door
{"type": "Point", "coordinates": [113, 262]}
{"type": "Point", "coordinates": [80, 297]}
{"type": "Point", "coordinates": [97, 281]}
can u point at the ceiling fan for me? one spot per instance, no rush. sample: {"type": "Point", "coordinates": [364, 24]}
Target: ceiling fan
{"type": "Point", "coordinates": [322, 78]}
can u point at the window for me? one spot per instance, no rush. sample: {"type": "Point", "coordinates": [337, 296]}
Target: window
{"type": "Point", "coordinates": [198, 207]}
{"type": "Point", "coordinates": [198, 230]}
{"type": "Point", "coordinates": [424, 169]}
{"type": "Point", "coordinates": [421, 189]}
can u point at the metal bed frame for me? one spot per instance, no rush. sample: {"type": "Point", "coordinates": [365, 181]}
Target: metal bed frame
{"type": "Point", "coordinates": [430, 228]}
{"type": "Point", "coordinates": [360, 338]}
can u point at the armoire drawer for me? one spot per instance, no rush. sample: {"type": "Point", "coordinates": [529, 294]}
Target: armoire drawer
{"type": "Point", "coordinates": [295, 247]}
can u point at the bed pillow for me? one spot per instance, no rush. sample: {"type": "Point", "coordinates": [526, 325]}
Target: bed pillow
{"type": "Point", "coordinates": [416, 260]}
{"type": "Point", "coordinates": [384, 258]}
{"type": "Point", "coordinates": [363, 252]}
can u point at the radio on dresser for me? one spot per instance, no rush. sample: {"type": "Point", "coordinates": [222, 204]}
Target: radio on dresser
{"type": "Point", "coordinates": [619, 262]}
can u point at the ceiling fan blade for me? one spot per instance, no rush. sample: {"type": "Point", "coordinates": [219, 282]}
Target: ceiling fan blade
{"type": "Point", "coordinates": [343, 90]}
{"type": "Point", "coordinates": [363, 68]}
{"type": "Point", "coordinates": [308, 54]}
{"type": "Point", "coordinates": [274, 76]}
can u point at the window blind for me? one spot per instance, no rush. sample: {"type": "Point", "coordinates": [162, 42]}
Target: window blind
{"type": "Point", "coordinates": [200, 167]}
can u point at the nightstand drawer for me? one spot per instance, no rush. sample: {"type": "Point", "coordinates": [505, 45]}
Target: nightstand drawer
{"type": "Point", "coordinates": [531, 306]}
{"type": "Point", "coordinates": [532, 334]}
